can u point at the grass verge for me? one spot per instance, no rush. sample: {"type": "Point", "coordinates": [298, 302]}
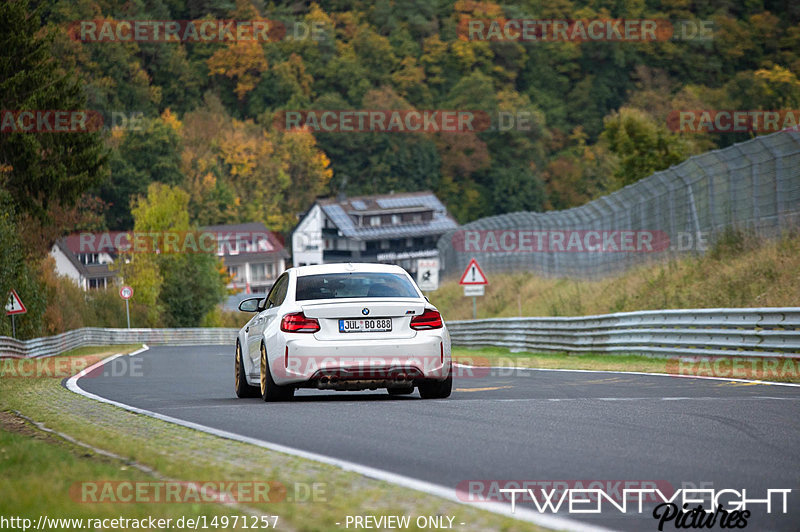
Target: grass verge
{"type": "Point", "coordinates": [768, 369]}
{"type": "Point", "coordinates": [39, 470]}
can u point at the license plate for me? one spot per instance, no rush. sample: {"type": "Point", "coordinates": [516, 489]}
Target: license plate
{"type": "Point", "coordinates": [371, 325]}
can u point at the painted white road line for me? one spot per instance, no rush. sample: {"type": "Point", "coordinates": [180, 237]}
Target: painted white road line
{"type": "Point", "coordinates": [767, 383]}
{"type": "Point", "coordinates": [523, 514]}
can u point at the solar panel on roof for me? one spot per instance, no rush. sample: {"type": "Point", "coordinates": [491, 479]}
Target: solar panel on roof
{"type": "Point", "coordinates": [346, 225]}
{"type": "Point", "coordinates": [358, 205]}
{"type": "Point", "coordinates": [410, 201]}
{"type": "Point", "coordinates": [340, 218]}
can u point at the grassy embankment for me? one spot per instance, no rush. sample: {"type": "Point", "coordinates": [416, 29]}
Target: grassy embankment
{"type": "Point", "coordinates": [740, 271]}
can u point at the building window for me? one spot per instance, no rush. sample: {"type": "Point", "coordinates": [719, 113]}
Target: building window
{"type": "Point", "coordinates": [94, 284]}
{"type": "Point", "coordinates": [395, 219]}
{"type": "Point", "coordinates": [233, 271]}
{"type": "Point", "coordinates": [89, 258]}
{"type": "Point", "coordinates": [258, 272]}
{"type": "Point", "coordinates": [375, 221]}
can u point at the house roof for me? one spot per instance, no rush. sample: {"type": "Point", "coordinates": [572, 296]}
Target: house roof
{"type": "Point", "coordinates": [265, 251]}
{"type": "Point", "coordinates": [91, 271]}
{"type": "Point", "coordinates": [113, 242]}
{"type": "Point", "coordinates": [342, 212]}
{"type": "Point", "coordinates": [105, 242]}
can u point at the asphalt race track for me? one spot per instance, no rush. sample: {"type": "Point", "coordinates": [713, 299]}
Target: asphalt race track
{"type": "Point", "coordinates": [505, 424]}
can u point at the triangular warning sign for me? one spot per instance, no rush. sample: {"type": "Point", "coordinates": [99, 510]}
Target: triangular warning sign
{"type": "Point", "coordinates": [473, 274]}
{"type": "Point", "coordinates": [14, 305]}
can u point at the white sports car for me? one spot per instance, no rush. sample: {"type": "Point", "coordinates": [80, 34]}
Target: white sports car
{"type": "Point", "coordinates": [343, 327]}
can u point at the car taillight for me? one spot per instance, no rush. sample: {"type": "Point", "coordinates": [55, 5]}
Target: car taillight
{"type": "Point", "coordinates": [430, 319]}
{"type": "Point", "coordinates": [297, 322]}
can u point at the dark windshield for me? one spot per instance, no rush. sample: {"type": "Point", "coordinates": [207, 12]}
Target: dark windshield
{"type": "Point", "coordinates": [351, 285]}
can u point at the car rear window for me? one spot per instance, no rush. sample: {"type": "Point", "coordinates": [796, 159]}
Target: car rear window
{"type": "Point", "coordinates": [351, 285]}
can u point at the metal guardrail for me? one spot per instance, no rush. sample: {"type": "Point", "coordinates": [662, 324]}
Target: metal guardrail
{"type": "Point", "coordinates": [703, 332]}
{"type": "Point", "coordinates": [60, 343]}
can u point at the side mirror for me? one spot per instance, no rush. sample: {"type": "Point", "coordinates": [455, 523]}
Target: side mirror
{"type": "Point", "coordinates": [250, 304]}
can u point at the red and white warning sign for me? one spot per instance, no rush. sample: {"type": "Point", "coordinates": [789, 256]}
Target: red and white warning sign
{"type": "Point", "coordinates": [473, 274]}
{"type": "Point", "coordinates": [14, 304]}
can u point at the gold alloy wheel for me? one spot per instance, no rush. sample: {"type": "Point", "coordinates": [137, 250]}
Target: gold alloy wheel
{"type": "Point", "coordinates": [263, 370]}
{"type": "Point", "coordinates": [238, 362]}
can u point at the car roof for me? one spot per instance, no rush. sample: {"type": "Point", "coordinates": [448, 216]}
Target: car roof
{"type": "Point", "coordinates": [347, 267]}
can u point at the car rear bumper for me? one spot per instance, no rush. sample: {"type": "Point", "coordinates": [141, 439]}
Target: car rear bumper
{"type": "Point", "coordinates": [359, 364]}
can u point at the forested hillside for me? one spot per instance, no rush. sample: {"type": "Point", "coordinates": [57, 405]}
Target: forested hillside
{"type": "Point", "coordinates": [599, 109]}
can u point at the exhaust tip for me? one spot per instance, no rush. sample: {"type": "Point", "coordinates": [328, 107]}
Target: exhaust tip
{"type": "Point", "coordinates": [323, 380]}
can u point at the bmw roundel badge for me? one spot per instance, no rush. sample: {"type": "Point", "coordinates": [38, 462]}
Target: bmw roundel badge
{"type": "Point", "coordinates": [365, 311]}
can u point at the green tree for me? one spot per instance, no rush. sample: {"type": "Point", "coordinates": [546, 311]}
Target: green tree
{"type": "Point", "coordinates": [192, 287]}
{"type": "Point", "coordinates": [149, 152]}
{"type": "Point", "coordinates": [39, 168]}
{"type": "Point", "coordinates": [642, 146]}
{"type": "Point", "coordinates": [15, 273]}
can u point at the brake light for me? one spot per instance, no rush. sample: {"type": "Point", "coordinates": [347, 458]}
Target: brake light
{"type": "Point", "coordinates": [297, 322]}
{"type": "Point", "coordinates": [430, 319]}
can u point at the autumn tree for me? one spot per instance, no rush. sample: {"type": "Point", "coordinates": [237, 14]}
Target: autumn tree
{"type": "Point", "coordinates": [177, 287]}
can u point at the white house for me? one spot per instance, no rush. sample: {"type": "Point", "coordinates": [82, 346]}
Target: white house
{"type": "Point", "coordinates": [390, 228]}
{"type": "Point", "coordinates": [253, 255]}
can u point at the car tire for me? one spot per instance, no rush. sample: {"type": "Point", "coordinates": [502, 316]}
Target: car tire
{"type": "Point", "coordinates": [270, 391]}
{"type": "Point", "coordinates": [400, 391]}
{"type": "Point", "coordinates": [437, 389]}
{"type": "Point", "coordinates": [242, 388]}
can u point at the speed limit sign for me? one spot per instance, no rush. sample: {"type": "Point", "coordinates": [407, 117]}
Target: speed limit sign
{"type": "Point", "coordinates": [125, 293]}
